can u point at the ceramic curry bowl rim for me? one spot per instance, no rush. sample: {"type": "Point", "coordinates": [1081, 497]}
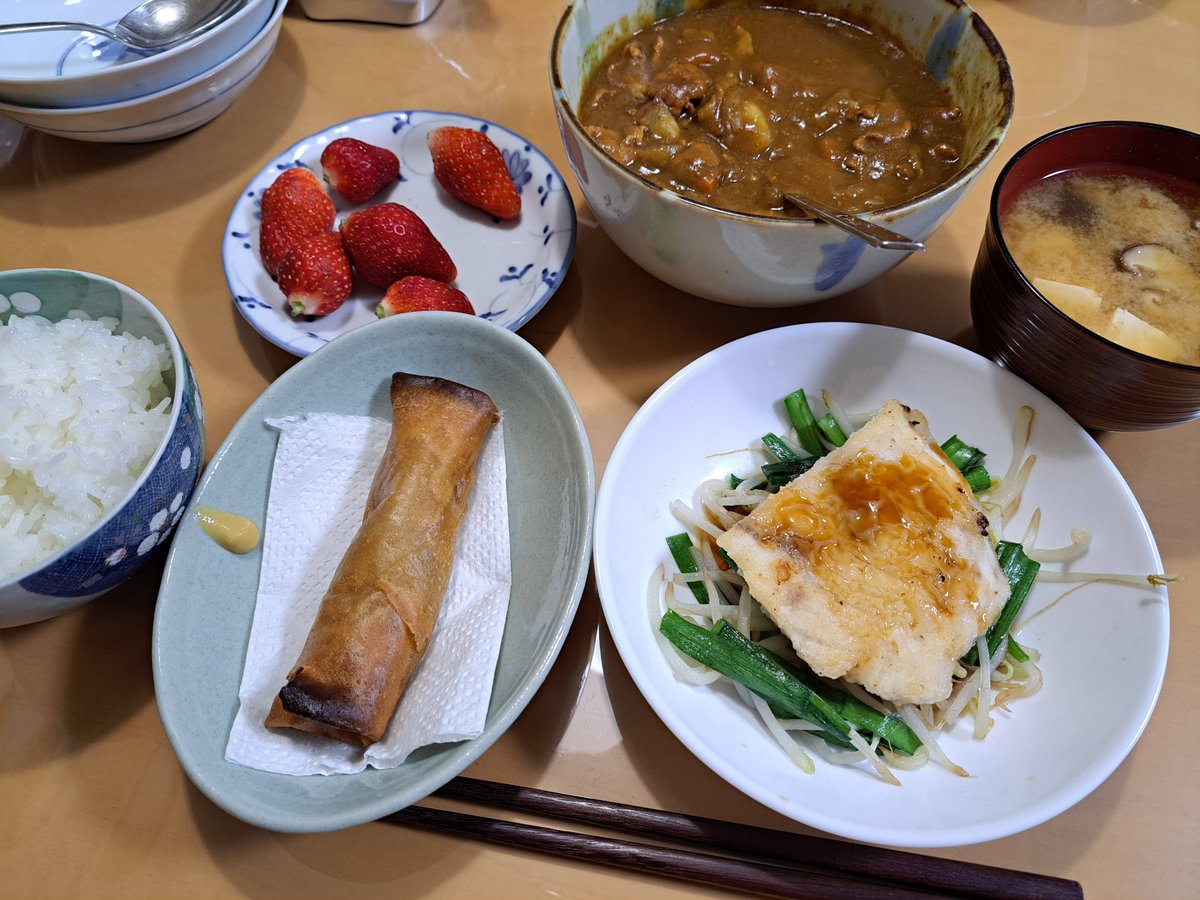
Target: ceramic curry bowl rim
{"type": "Point", "coordinates": [1033, 293]}
{"type": "Point", "coordinates": [962, 177]}
{"type": "Point", "coordinates": [179, 369]}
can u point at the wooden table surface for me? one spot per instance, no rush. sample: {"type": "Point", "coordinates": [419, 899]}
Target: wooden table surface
{"type": "Point", "coordinates": [92, 800]}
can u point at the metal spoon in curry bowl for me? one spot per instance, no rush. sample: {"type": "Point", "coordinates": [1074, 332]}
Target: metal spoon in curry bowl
{"type": "Point", "coordinates": [155, 25]}
{"type": "Point", "coordinates": [875, 235]}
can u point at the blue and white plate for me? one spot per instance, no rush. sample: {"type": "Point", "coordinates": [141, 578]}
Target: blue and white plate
{"type": "Point", "coordinates": [507, 269]}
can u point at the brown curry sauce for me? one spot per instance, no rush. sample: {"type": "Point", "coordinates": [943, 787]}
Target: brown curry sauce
{"type": "Point", "coordinates": [735, 105]}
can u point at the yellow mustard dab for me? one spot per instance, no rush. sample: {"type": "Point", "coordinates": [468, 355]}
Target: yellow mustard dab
{"type": "Point", "coordinates": [235, 533]}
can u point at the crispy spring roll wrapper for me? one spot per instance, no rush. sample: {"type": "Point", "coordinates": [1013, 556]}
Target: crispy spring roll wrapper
{"type": "Point", "coordinates": [375, 619]}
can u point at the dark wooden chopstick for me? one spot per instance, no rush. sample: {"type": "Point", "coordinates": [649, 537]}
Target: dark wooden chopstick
{"type": "Point", "coordinates": [880, 865]}
{"type": "Point", "coordinates": [761, 879]}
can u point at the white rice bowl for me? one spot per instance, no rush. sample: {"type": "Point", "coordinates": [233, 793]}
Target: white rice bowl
{"type": "Point", "coordinates": [82, 412]}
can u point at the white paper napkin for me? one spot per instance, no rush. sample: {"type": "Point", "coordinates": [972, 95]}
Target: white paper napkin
{"type": "Point", "coordinates": [324, 465]}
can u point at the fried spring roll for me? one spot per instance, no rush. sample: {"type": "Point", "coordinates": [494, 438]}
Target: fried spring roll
{"type": "Point", "coordinates": [375, 619]}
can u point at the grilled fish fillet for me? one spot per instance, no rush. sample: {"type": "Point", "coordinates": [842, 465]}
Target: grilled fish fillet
{"type": "Point", "coordinates": [876, 563]}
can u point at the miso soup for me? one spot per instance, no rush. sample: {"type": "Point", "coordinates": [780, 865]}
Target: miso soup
{"type": "Point", "coordinates": [1118, 253]}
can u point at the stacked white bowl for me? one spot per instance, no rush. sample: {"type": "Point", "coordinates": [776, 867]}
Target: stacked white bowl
{"type": "Point", "coordinates": [80, 85]}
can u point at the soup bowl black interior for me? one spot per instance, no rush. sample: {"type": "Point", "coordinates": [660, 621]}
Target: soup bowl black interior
{"type": "Point", "coordinates": [1102, 384]}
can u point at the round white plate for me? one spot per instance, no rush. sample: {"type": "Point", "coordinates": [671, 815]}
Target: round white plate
{"type": "Point", "coordinates": [206, 602]}
{"type": "Point", "coordinates": [74, 70]}
{"type": "Point", "coordinates": [52, 54]}
{"type": "Point", "coordinates": [507, 269]}
{"type": "Point", "coordinates": [1104, 648]}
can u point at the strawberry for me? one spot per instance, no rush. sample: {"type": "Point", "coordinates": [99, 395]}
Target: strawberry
{"type": "Point", "coordinates": [294, 207]}
{"type": "Point", "coordinates": [416, 293]}
{"type": "Point", "coordinates": [389, 241]}
{"type": "Point", "coordinates": [294, 187]}
{"type": "Point", "coordinates": [357, 170]}
{"type": "Point", "coordinates": [315, 275]}
{"type": "Point", "coordinates": [469, 166]}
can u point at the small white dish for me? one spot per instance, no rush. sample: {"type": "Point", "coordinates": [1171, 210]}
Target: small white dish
{"type": "Point", "coordinates": [167, 113]}
{"type": "Point", "coordinates": [1103, 648]}
{"type": "Point", "coordinates": [62, 69]}
{"type": "Point", "coordinates": [508, 270]}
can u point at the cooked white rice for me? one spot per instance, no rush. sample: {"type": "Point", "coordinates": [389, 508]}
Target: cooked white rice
{"type": "Point", "coordinates": [82, 410]}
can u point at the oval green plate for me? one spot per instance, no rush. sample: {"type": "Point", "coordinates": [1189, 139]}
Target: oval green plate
{"type": "Point", "coordinates": [206, 602]}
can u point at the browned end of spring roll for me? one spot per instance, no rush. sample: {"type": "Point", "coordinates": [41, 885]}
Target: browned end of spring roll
{"type": "Point", "coordinates": [375, 619]}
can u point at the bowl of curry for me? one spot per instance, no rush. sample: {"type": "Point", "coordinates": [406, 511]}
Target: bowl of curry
{"type": "Point", "coordinates": [686, 122]}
